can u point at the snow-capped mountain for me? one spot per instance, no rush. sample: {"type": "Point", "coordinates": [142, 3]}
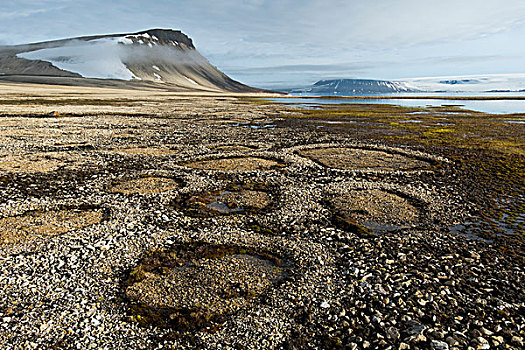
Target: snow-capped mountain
{"type": "Point", "coordinates": [354, 86]}
{"type": "Point", "coordinates": [454, 84]}
{"type": "Point", "coordinates": [158, 57]}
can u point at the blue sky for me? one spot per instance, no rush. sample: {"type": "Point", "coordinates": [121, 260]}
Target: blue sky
{"type": "Point", "coordinates": [292, 43]}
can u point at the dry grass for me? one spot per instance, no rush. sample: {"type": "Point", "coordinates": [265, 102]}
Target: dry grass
{"type": "Point", "coordinates": [21, 229]}
{"type": "Point", "coordinates": [352, 158]}
{"type": "Point", "coordinates": [31, 163]}
{"type": "Point", "coordinates": [147, 185]}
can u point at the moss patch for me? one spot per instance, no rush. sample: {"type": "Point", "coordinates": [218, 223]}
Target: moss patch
{"type": "Point", "coordinates": [198, 286]}
{"type": "Point", "coordinates": [233, 148]}
{"type": "Point", "coordinates": [378, 211]}
{"type": "Point", "coordinates": [32, 163]}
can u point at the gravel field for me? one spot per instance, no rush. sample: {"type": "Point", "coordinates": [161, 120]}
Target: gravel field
{"type": "Point", "coordinates": [213, 222]}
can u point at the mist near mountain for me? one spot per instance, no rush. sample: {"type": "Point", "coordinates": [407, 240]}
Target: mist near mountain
{"type": "Point", "coordinates": [165, 58]}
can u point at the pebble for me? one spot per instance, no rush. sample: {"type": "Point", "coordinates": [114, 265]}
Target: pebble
{"type": "Point", "coordinates": [438, 345]}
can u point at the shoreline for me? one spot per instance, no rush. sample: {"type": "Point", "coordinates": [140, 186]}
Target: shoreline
{"type": "Point", "coordinates": [404, 97]}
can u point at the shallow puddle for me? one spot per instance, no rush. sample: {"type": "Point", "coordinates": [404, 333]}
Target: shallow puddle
{"type": "Point", "coordinates": [486, 231]}
{"type": "Point", "coordinates": [225, 202]}
{"type": "Point", "coordinates": [468, 230]}
{"type": "Point", "coordinates": [255, 126]}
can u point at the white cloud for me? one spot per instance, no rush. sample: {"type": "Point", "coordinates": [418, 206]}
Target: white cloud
{"type": "Point", "coordinates": [20, 13]}
{"type": "Point", "coordinates": [384, 35]}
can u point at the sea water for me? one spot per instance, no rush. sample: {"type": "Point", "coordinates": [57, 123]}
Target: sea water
{"type": "Point", "coordinates": [499, 106]}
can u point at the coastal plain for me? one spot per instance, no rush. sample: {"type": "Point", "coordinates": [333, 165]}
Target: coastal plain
{"type": "Point", "coordinates": [158, 220]}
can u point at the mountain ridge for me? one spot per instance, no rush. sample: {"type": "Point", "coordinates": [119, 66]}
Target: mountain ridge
{"type": "Point", "coordinates": [354, 86]}
{"type": "Point", "coordinates": [489, 83]}
{"type": "Point", "coordinates": [161, 58]}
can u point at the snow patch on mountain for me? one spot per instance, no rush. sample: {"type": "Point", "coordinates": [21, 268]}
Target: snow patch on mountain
{"type": "Point", "coordinates": [191, 80]}
{"type": "Point", "coordinates": [354, 86]}
{"type": "Point", "coordinates": [100, 58]}
{"type": "Point", "coordinates": [125, 41]}
{"type": "Point", "coordinates": [469, 83]}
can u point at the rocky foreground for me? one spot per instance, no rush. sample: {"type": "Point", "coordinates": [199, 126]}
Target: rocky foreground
{"type": "Point", "coordinates": [216, 223]}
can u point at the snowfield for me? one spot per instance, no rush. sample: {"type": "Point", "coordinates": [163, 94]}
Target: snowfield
{"type": "Point", "coordinates": [101, 58]}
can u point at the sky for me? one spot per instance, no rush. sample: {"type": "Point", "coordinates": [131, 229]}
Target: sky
{"type": "Point", "coordinates": [290, 43]}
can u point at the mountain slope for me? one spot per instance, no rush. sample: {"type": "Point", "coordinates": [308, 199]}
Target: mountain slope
{"type": "Point", "coordinates": [157, 57]}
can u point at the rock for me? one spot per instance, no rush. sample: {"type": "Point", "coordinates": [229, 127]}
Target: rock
{"type": "Point", "coordinates": [420, 339]}
{"type": "Point", "coordinates": [415, 328]}
{"type": "Point", "coordinates": [497, 340]}
{"type": "Point", "coordinates": [518, 341]}
{"type": "Point", "coordinates": [486, 331]}
{"type": "Point", "coordinates": [476, 333]}
{"type": "Point", "coordinates": [474, 255]}
{"type": "Point", "coordinates": [392, 333]}
{"type": "Point", "coordinates": [438, 345]}
{"type": "Point", "coordinates": [482, 343]}
{"type": "Point", "coordinates": [439, 334]}
{"type": "Point", "coordinates": [451, 341]}
{"type": "Point", "coordinates": [417, 287]}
